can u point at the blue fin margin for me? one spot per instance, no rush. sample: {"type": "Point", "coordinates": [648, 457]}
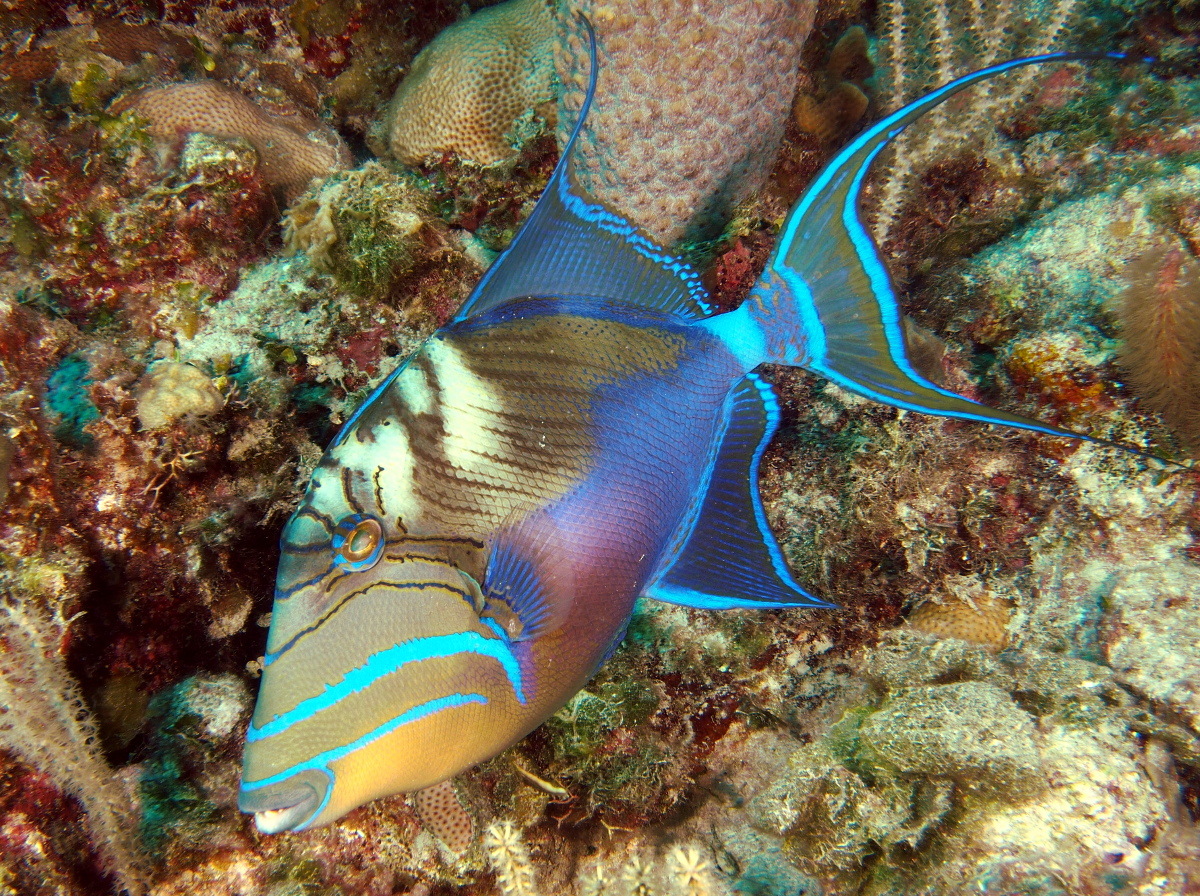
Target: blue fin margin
{"type": "Point", "coordinates": [572, 245]}
{"type": "Point", "coordinates": [730, 558]}
{"type": "Point", "coordinates": [828, 285]}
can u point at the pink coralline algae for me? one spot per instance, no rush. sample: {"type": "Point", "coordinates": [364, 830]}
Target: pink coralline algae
{"type": "Point", "coordinates": [292, 150]}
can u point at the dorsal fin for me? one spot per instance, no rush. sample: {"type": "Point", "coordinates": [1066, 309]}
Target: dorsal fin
{"type": "Point", "coordinates": [573, 245]}
{"type": "Point", "coordinates": [729, 557]}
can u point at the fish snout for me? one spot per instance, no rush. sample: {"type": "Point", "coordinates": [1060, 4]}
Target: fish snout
{"type": "Point", "coordinates": [287, 805]}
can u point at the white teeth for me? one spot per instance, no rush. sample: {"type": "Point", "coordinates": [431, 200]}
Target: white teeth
{"type": "Point", "coordinates": [273, 821]}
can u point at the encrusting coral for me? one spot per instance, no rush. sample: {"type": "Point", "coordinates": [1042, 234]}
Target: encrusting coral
{"type": "Point", "coordinates": [673, 76]}
{"type": "Point", "coordinates": [465, 90]}
{"type": "Point", "coordinates": [292, 149]}
{"type": "Point", "coordinates": [970, 613]}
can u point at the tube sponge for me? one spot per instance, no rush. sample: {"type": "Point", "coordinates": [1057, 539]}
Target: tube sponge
{"type": "Point", "coordinates": [691, 104]}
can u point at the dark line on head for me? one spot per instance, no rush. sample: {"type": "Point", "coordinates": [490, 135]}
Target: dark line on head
{"type": "Point", "coordinates": [348, 491]}
{"type": "Point", "coordinates": [379, 491]}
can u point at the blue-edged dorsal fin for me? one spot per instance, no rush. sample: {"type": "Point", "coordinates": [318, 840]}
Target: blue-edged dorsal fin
{"type": "Point", "coordinates": [529, 583]}
{"type": "Point", "coordinates": [825, 300]}
{"type": "Point", "coordinates": [729, 558]}
{"type": "Point", "coordinates": [572, 245]}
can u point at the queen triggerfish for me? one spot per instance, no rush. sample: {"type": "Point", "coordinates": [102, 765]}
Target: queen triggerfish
{"type": "Point", "coordinates": [584, 432]}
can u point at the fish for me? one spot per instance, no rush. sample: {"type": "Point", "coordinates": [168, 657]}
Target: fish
{"type": "Point", "coordinates": [584, 432]}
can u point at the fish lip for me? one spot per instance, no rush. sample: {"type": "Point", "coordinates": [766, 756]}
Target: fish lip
{"type": "Point", "coordinates": [286, 807]}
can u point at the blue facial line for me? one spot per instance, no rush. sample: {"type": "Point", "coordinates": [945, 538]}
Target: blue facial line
{"type": "Point", "coordinates": [387, 662]}
{"type": "Point", "coordinates": [322, 761]}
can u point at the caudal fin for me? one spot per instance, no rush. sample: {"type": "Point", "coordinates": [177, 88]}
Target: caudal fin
{"type": "Point", "coordinates": [825, 301]}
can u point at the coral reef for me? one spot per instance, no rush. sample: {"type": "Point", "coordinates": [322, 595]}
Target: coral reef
{"type": "Point", "coordinates": [170, 390]}
{"type": "Point", "coordinates": [970, 612]}
{"type": "Point", "coordinates": [509, 858]}
{"type": "Point", "coordinates": [46, 722]}
{"type": "Point", "coordinates": [926, 44]}
{"type": "Point", "coordinates": [466, 90]}
{"type": "Point", "coordinates": [1160, 329]}
{"type": "Point", "coordinates": [837, 101]}
{"type": "Point", "coordinates": [674, 75]}
{"type": "Point", "coordinates": [291, 150]}
{"type": "Point", "coordinates": [1006, 702]}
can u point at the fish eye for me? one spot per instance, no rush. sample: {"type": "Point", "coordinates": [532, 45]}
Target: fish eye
{"type": "Point", "coordinates": [357, 542]}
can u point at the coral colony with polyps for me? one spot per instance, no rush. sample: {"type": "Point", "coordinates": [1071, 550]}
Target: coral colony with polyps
{"type": "Point", "coordinates": [238, 234]}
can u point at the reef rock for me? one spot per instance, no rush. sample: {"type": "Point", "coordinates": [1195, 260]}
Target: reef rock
{"type": "Point", "coordinates": [970, 731]}
{"type": "Point", "coordinates": [1151, 636]}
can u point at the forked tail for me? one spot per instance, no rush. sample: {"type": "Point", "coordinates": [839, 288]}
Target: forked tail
{"type": "Point", "coordinates": [825, 301]}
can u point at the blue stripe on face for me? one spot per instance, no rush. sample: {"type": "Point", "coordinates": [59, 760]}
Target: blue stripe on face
{"type": "Point", "coordinates": [387, 662]}
{"type": "Point", "coordinates": [321, 761]}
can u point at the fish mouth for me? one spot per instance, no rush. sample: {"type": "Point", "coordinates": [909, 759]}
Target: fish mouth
{"type": "Point", "coordinates": [275, 821]}
{"type": "Point", "coordinates": [287, 806]}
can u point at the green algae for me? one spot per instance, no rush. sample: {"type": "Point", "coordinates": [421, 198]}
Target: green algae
{"type": "Point", "coordinates": [69, 401]}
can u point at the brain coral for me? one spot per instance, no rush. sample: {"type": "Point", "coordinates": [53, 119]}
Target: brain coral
{"type": "Point", "coordinates": [465, 90]}
{"type": "Point", "coordinates": [691, 104]}
{"type": "Point", "coordinates": [292, 150]}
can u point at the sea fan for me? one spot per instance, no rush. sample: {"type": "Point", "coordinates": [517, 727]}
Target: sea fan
{"type": "Point", "coordinates": [1160, 323]}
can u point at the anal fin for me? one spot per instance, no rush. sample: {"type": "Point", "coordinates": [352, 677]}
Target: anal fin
{"type": "Point", "coordinates": [729, 557]}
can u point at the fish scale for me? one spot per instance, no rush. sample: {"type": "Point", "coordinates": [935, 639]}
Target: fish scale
{"type": "Point", "coordinates": [583, 433]}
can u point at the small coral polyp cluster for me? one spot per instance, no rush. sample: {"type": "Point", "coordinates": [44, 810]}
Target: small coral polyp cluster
{"type": "Point", "coordinates": [203, 274]}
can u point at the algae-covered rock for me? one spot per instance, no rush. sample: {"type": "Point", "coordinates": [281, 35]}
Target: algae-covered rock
{"type": "Point", "coordinates": [833, 820]}
{"type": "Point", "coordinates": [905, 659]}
{"type": "Point", "coordinates": [1093, 823]}
{"type": "Point", "coordinates": [970, 731]}
{"type": "Point", "coordinates": [1151, 636]}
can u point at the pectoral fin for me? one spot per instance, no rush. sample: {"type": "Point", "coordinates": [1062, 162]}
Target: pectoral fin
{"type": "Point", "coordinates": [529, 584]}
